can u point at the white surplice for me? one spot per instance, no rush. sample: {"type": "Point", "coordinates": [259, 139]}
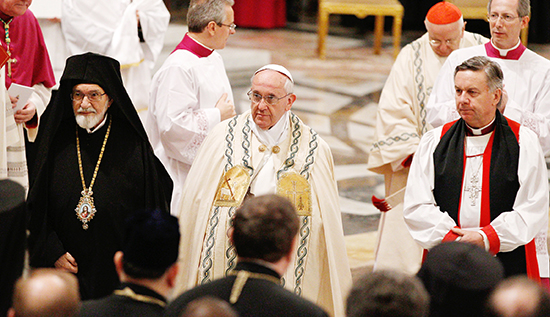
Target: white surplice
{"type": "Point", "coordinates": [110, 28]}
{"type": "Point", "coordinates": [184, 93]}
{"type": "Point", "coordinates": [527, 81]}
{"type": "Point", "coordinates": [527, 220]}
{"type": "Point", "coordinates": [320, 270]}
{"type": "Point", "coordinates": [400, 123]}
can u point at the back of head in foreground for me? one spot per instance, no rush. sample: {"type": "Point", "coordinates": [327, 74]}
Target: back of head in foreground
{"type": "Point", "coordinates": [459, 277]}
{"type": "Point", "coordinates": [151, 244]}
{"type": "Point", "coordinates": [209, 306]}
{"type": "Point", "coordinates": [46, 293]}
{"type": "Point", "coordinates": [387, 294]}
{"type": "Point", "coordinates": [264, 228]}
{"type": "Point", "coordinates": [518, 296]}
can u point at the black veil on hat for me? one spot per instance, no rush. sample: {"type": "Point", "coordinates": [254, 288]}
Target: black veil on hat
{"type": "Point", "coordinates": [91, 68]}
{"type": "Point", "coordinates": [59, 118]}
{"type": "Point", "coordinates": [87, 68]}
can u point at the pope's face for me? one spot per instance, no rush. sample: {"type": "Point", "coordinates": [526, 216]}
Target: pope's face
{"type": "Point", "coordinates": [14, 8]}
{"type": "Point", "coordinates": [505, 35]}
{"type": "Point", "coordinates": [270, 83]}
{"type": "Point", "coordinates": [445, 38]}
{"type": "Point", "coordinates": [90, 103]}
{"type": "Point", "coordinates": [474, 102]}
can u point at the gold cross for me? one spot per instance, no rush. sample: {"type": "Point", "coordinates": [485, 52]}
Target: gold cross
{"type": "Point", "coordinates": [10, 61]}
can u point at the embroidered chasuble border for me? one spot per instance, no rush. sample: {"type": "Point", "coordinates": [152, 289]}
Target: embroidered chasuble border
{"type": "Point", "coordinates": [420, 85]}
{"type": "Point", "coordinates": [207, 260]}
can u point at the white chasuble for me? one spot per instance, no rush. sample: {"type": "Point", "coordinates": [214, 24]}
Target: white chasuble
{"type": "Point", "coordinates": [320, 271]}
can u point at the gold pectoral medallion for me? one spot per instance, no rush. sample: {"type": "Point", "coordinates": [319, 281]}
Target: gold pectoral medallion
{"type": "Point", "coordinates": [232, 187]}
{"type": "Point", "coordinates": [296, 188]}
{"type": "Point", "coordinates": [85, 210]}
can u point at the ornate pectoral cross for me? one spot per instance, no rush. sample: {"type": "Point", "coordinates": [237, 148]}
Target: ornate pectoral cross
{"type": "Point", "coordinates": [474, 189]}
{"type": "Point", "coordinates": [10, 61]}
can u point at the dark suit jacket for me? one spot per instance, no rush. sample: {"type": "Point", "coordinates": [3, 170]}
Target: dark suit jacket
{"type": "Point", "coordinates": [121, 306]}
{"type": "Point", "coordinates": [259, 297]}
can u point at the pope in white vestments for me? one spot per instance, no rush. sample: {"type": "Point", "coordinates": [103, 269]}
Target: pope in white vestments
{"type": "Point", "coordinates": [130, 31]}
{"type": "Point", "coordinates": [481, 181]}
{"type": "Point", "coordinates": [401, 122]}
{"type": "Point", "coordinates": [526, 75]}
{"type": "Point", "coordinates": [266, 150]}
{"type": "Point", "coordinates": [191, 93]}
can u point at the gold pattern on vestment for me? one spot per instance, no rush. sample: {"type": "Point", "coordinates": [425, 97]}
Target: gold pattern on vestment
{"type": "Point", "coordinates": [276, 149]}
{"type": "Point", "coordinates": [297, 189]}
{"type": "Point", "coordinates": [85, 210]}
{"type": "Point", "coordinates": [232, 187]}
{"type": "Point", "coordinates": [240, 281]}
{"type": "Point", "coordinates": [128, 292]}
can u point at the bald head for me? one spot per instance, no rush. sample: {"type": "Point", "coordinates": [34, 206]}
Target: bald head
{"type": "Point", "coordinates": [519, 297]}
{"type": "Point", "coordinates": [46, 293]}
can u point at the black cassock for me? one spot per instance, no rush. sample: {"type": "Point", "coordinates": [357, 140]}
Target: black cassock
{"type": "Point", "coordinates": [129, 178]}
{"type": "Point", "coordinates": [147, 303]}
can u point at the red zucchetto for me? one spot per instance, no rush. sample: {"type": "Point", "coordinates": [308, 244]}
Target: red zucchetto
{"type": "Point", "coordinates": [443, 13]}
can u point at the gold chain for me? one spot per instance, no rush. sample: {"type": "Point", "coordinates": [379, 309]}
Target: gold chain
{"type": "Point", "coordinates": [89, 190]}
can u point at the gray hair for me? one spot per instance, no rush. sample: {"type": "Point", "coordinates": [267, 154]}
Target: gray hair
{"type": "Point", "coordinates": [492, 70]}
{"type": "Point", "coordinates": [524, 7]}
{"type": "Point", "coordinates": [201, 12]}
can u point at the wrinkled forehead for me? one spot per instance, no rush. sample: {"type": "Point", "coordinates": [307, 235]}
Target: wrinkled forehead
{"type": "Point", "coordinates": [269, 78]}
{"type": "Point", "coordinates": [87, 87]}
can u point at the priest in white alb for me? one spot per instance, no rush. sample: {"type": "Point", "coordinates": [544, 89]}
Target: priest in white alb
{"type": "Point", "coordinates": [191, 93]}
{"type": "Point", "coordinates": [401, 122]}
{"type": "Point", "coordinates": [266, 150]}
{"type": "Point", "coordinates": [482, 179]}
{"type": "Point", "coordinates": [527, 75]}
{"type": "Point", "coordinates": [130, 31]}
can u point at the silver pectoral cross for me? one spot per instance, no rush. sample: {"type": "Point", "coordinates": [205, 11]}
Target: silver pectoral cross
{"type": "Point", "coordinates": [474, 189]}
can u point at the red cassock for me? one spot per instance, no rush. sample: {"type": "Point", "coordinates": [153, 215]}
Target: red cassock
{"type": "Point", "coordinates": [260, 14]}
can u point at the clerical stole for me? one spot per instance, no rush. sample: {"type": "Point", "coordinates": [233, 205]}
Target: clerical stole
{"type": "Point", "coordinates": [298, 151]}
{"type": "Point", "coordinates": [498, 191]}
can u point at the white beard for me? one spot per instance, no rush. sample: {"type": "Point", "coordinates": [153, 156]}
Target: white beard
{"type": "Point", "coordinates": [88, 121]}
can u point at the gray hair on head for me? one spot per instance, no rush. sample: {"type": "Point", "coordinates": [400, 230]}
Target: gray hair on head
{"type": "Point", "coordinates": [493, 72]}
{"type": "Point", "coordinates": [201, 12]}
{"type": "Point", "coordinates": [524, 7]}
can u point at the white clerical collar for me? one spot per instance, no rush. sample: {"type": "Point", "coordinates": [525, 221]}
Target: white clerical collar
{"type": "Point", "coordinates": [483, 130]}
{"type": "Point", "coordinates": [102, 123]}
{"type": "Point", "coordinates": [275, 134]}
{"type": "Point", "coordinates": [504, 52]}
{"type": "Point", "coordinates": [191, 37]}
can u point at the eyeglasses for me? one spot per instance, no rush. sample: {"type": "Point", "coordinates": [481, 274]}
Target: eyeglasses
{"type": "Point", "coordinates": [493, 17]}
{"type": "Point", "coordinates": [93, 96]}
{"type": "Point", "coordinates": [447, 42]}
{"type": "Point", "coordinates": [269, 99]}
{"type": "Point", "coordinates": [231, 26]}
